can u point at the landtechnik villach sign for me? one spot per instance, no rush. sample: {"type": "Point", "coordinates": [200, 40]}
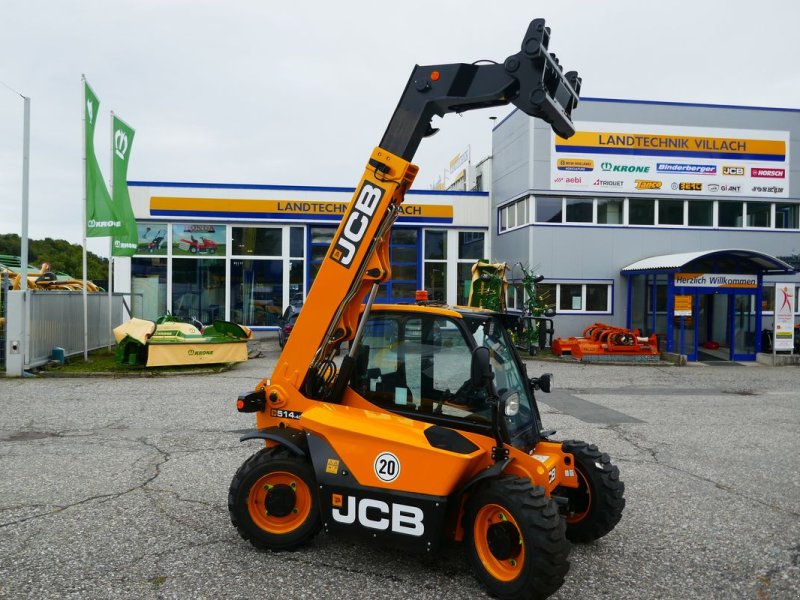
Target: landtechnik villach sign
{"type": "Point", "coordinates": [665, 160]}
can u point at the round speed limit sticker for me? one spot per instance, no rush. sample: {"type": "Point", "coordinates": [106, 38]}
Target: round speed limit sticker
{"type": "Point", "coordinates": [387, 467]}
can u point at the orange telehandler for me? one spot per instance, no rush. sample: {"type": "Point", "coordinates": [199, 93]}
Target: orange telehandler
{"type": "Point", "coordinates": [427, 429]}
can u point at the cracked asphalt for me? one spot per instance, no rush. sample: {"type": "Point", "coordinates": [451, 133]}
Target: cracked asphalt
{"type": "Point", "coordinates": [117, 488]}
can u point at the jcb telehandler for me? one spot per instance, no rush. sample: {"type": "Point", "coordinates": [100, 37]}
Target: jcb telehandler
{"type": "Point", "coordinates": [428, 428]}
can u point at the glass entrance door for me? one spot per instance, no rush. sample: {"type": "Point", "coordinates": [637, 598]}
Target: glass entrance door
{"type": "Point", "coordinates": [742, 314]}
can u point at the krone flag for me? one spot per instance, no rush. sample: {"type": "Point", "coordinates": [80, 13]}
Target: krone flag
{"type": "Point", "coordinates": [100, 217]}
{"type": "Point", "coordinates": [125, 237]}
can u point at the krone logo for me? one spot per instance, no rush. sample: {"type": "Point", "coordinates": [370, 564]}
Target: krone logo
{"type": "Point", "coordinates": [352, 231]}
{"type": "Point", "coordinates": [120, 144]}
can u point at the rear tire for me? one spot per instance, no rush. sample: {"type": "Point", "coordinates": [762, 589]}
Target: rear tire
{"type": "Point", "coordinates": [272, 500]}
{"type": "Point", "coordinates": [515, 539]}
{"type": "Point", "coordinates": [596, 506]}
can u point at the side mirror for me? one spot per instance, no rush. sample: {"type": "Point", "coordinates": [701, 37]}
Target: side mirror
{"type": "Point", "coordinates": [550, 313]}
{"type": "Point", "coordinates": [480, 368]}
{"type": "Point", "coordinates": [544, 383]}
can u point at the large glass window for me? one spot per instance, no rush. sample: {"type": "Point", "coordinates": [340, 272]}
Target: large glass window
{"type": "Point", "coordinates": [579, 210]}
{"type": "Point", "coordinates": [548, 209]}
{"type": "Point", "coordinates": [321, 238]}
{"type": "Point", "coordinates": [641, 211]}
{"type": "Point", "coordinates": [731, 214]}
{"type": "Point", "coordinates": [571, 297]}
{"type": "Point", "coordinates": [198, 288]}
{"type": "Point", "coordinates": [256, 291]}
{"type": "Point", "coordinates": [149, 287]}
{"type": "Point", "coordinates": [786, 216]}
{"type": "Point", "coordinates": [609, 211]}
{"type": "Point", "coordinates": [759, 214]}
{"type": "Point", "coordinates": [436, 264]}
{"type": "Point", "coordinates": [470, 245]}
{"type": "Point", "coordinates": [701, 213]}
{"type": "Point", "coordinates": [670, 212]}
{"type": "Point", "coordinates": [257, 241]}
{"type": "Point", "coordinates": [597, 297]}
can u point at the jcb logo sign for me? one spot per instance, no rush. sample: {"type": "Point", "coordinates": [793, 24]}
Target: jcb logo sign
{"type": "Point", "coordinates": [376, 514]}
{"type": "Point", "coordinates": [735, 171]}
{"type": "Point", "coordinates": [355, 227]}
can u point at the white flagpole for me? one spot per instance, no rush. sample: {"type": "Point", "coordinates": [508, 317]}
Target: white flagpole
{"type": "Point", "coordinates": [83, 227]}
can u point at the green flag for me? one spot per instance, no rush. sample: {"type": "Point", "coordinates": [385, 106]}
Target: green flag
{"type": "Point", "coordinates": [100, 217]}
{"type": "Point", "coordinates": [126, 237]}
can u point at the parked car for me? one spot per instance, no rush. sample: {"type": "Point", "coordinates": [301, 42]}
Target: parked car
{"type": "Point", "coordinates": [286, 323]}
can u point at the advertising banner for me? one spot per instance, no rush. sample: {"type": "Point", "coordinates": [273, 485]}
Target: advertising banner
{"type": "Point", "coordinates": [667, 160]}
{"type": "Point", "coordinates": [152, 238]}
{"type": "Point", "coordinates": [125, 237]}
{"type": "Point", "coordinates": [198, 239]}
{"type": "Point", "coordinates": [101, 220]}
{"type": "Point", "coordinates": [784, 316]}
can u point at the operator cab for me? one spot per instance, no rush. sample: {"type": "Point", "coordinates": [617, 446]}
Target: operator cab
{"type": "Point", "coordinates": [417, 364]}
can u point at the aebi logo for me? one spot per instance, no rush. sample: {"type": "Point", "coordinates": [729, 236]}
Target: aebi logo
{"type": "Point", "coordinates": [376, 514]}
{"type": "Point", "coordinates": [352, 233]}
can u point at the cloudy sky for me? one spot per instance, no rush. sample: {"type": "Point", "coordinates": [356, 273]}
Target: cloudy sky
{"type": "Point", "coordinates": [253, 91]}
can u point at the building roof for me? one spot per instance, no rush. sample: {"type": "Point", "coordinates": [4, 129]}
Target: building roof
{"type": "Point", "coordinates": [722, 261]}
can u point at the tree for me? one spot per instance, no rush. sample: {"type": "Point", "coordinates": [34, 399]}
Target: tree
{"type": "Point", "coordinates": [63, 256]}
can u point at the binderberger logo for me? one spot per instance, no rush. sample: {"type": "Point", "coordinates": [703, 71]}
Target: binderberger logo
{"type": "Point", "coordinates": [355, 227]}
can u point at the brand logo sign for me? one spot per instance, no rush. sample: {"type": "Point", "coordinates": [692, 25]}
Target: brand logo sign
{"type": "Point", "coordinates": [768, 189]}
{"type": "Point", "coordinates": [120, 143]}
{"type": "Point", "coordinates": [608, 182]}
{"type": "Point", "coordinates": [763, 172]}
{"type": "Point", "coordinates": [645, 184]}
{"type": "Point", "coordinates": [614, 168]}
{"type": "Point", "coordinates": [686, 168]}
{"type": "Point", "coordinates": [733, 171]}
{"type": "Point", "coordinates": [687, 186]}
{"type": "Point", "coordinates": [352, 232]}
{"type": "Point", "coordinates": [92, 224]}
{"type": "Point", "coordinates": [575, 164]}
{"type": "Point", "coordinates": [573, 180]}
{"type": "Point", "coordinates": [376, 514]}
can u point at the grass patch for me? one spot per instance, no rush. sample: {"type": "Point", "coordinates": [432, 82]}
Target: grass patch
{"type": "Point", "coordinates": [103, 361]}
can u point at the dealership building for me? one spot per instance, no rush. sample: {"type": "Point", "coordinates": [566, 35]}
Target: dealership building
{"type": "Point", "coordinates": [675, 219]}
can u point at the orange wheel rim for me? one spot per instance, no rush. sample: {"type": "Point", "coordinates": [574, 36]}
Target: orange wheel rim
{"type": "Point", "coordinates": [583, 487]}
{"type": "Point", "coordinates": [287, 495]}
{"type": "Point", "coordinates": [506, 562]}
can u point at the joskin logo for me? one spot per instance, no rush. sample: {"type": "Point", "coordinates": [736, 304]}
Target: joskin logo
{"type": "Point", "coordinates": [646, 184]}
{"type": "Point", "coordinates": [613, 168]}
{"type": "Point", "coordinates": [352, 233]}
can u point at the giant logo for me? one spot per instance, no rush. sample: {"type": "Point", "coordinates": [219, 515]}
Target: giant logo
{"type": "Point", "coordinates": [352, 233]}
{"type": "Point", "coordinates": [376, 514]}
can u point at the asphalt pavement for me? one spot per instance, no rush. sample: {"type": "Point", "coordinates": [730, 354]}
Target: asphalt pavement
{"type": "Point", "coordinates": [117, 488]}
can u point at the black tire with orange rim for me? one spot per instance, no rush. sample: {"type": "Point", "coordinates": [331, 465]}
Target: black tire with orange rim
{"type": "Point", "coordinates": [515, 539]}
{"type": "Point", "coordinates": [595, 507]}
{"type": "Point", "coordinates": [272, 500]}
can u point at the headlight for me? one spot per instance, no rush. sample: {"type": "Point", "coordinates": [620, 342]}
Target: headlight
{"type": "Point", "coordinates": [512, 405]}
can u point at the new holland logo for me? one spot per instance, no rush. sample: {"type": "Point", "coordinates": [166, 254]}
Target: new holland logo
{"type": "Point", "coordinates": [352, 233]}
{"type": "Point", "coordinates": [645, 184]}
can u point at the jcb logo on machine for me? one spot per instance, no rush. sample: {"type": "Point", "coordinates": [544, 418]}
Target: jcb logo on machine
{"type": "Point", "coordinates": [352, 233]}
{"type": "Point", "coordinates": [735, 171]}
{"type": "Point", "coordinates": [376, 514]}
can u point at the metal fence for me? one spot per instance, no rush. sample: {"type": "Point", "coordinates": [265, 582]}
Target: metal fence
{"type": "Point", "coordinates": [56, 320]}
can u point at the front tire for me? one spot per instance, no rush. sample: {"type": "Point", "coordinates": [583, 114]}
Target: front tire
{"type": "Point", "coordinates": [272, 500]}
{"type": "Point", "coordinates": [595, 507]}
{"type": "Point", "coordinates": [515, 539]}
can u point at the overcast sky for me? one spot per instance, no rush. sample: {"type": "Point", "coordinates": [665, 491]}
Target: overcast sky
{"type": "Point", "coordinates": [260, 92]}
